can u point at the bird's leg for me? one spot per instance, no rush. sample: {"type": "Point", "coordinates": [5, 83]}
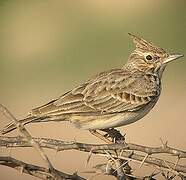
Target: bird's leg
{"type": "Point", "coordinates": [112, 135]}
{"type": "Point", "coordinates": [100, 136]}
{"type": "Point", "coordinates": [115, 135]}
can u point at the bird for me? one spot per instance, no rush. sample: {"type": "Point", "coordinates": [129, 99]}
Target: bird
{"type": "Point", "coordinates": [112, 98]}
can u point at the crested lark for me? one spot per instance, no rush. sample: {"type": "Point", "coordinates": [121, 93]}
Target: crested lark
{"type": "Point", "coordinates": [112, 98]}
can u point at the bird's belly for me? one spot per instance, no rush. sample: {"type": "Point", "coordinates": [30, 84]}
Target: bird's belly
{"type": "Point", "coordinates": [111, 120]}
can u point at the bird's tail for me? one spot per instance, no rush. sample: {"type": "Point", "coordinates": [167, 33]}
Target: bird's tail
{"type": "Point", "coordinates": [11, 126]}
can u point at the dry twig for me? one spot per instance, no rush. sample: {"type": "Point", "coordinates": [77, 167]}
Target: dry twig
{"type": "Point", "coordinates": [37, 171]}
{"type": "Point", "coordinates": [31, 141]}
{"type": "Point", "coordinates": [101, 149]}
{"type": "Point", "coordinates": [120, 154]}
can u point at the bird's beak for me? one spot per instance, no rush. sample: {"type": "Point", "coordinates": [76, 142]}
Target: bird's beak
{"type": "Point", "coordinates": [171, 57]}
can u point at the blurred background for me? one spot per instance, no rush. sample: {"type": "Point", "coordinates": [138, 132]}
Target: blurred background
{"type": "Point", "coordinates": [48, 47]}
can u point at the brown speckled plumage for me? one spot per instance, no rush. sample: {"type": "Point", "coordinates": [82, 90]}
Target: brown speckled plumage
{"type": "Point", "coordinates": [112, 98]}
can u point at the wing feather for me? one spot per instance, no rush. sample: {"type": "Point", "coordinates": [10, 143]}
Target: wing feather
{"type": "Point", "coordinates": [110, 92]}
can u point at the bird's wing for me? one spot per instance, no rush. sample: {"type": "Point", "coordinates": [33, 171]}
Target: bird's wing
{"type": "Point", "coordinates": [113, 91]}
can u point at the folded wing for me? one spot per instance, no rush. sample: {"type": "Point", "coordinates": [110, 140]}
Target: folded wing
{"type": "Point", "coordinates": [112, 91]}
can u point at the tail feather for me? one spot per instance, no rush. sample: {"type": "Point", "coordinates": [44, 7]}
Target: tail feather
{"type": "Point", "coordinates": [11, 126]}
{"type": "Point", "coordinates": [31, 119]}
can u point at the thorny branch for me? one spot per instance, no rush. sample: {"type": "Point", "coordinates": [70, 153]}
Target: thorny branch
{"type": "Point", "coordinates": [31, 141]}
{"type": "Point", "coordinates": [37, 171]}
{"type": "Point", "coordinates": [119, 153]}
{"type": "Point", "coordinates": [60, 145]}
{"type": "Point", "coordinates": [27, 135]}
{"type": "Point", "coordinates": [125, 151]}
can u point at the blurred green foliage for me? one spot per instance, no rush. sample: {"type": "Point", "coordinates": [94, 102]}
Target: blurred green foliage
{"type": "Point", "coordinates": [58, 44]}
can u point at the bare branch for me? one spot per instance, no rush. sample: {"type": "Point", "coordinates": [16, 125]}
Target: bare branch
{"type": "Point", "coordinates": [119, 153]}
{"type": "Point", "coordinates": [65, 145]}
{"type": "Point", "coordinates": [26, 134]}
{"type": "Point", "coordinates": [37, 171]}
{"type": "Point", "coordinates": [29, 139]}
{"type": "Point", "coordinates": [101, 149]}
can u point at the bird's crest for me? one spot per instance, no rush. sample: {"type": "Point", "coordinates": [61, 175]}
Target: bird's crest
{"type": "Point", "coordinates": [143, 45]}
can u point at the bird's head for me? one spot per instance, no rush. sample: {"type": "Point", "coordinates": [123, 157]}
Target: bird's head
{"type": "Point", "coordinates": [149, 58]}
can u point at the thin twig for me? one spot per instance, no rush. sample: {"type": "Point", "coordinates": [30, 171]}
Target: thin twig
{"type": "Point", "coordinates": [29, 138]}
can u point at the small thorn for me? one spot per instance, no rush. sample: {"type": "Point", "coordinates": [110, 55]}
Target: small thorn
{"type": "Point", "coordinates": [141, 164]}
{"type": "Point", "coordinates": [177, 160]}
{"type": "Point", "coordinates": [88, 158]}
{"type": "Point", "coordinates": [21, 169]}
{"type": "Point", "coordinates": [120, 154]}
{"type": "Point", "coordinates": [165, 145]}
{"type": "Point", "coordinates": [57, 150]}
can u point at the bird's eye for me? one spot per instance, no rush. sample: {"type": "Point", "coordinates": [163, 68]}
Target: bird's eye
{"type": "Point", "coordinates": [149, 57]}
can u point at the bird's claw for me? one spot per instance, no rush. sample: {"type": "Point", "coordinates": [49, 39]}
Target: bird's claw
{"type": "Point", "coordinates": [114, 135]}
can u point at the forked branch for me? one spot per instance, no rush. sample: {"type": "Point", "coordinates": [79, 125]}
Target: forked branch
{"type": "Point", "coordinates": [119, 153]}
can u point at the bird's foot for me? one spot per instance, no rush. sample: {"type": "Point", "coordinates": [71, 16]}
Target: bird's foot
{"type": "Point", "coordinates": [111, 136]}
{"type": "Point", "coordinates": [114, 135]}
